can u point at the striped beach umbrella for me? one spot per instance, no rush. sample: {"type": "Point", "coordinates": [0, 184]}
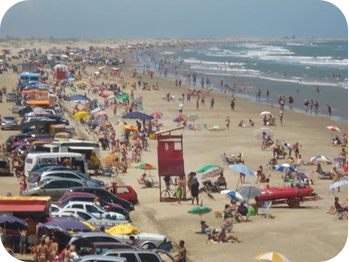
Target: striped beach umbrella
{"type": "Point", "coordinates": [179, 119]}
{"type": "Point", "coordinates": [145, 166]}
{"type": "Point", "coordinates": [272, 256]}
{"type": "Point", "coordinates": [284, 168]}
{"type": "Point", "coordinates": [213, 172]}
{"type": "Point", "coordinates": [334, 128]}
{"type": "Point", "coordinates": [320, 159]}
{"type": "Point", "coordinates": [249, 192]}
{"type": "Point", "coordinates": [205, 168]}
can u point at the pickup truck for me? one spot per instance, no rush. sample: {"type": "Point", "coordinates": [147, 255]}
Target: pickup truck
{"type": "Point", "coordinates": [123, 191]}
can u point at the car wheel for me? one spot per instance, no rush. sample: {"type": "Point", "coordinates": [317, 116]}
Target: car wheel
{"type": "Point", "coordinates": [149, 246]}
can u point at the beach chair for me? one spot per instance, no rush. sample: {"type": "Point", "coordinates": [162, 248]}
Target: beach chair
{"type": "Point", "coordinates": [265, 209]}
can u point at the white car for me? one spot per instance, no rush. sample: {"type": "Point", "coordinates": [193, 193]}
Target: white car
{"type": "Point", "coordinates": [84, 216]}
{"type": "Point", "coordinates": [94, 209]}
{"type": "Point", "coordinates": [145, 240]}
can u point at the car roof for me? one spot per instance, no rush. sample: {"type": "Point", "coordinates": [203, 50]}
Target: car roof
{"type": "Point", "coordinates": [103, 258]}
{"type": "Point", "coordinates": [81, 194]}
{"type": "Point", "coordinates": [91, 234]}
{"type": "Point", "coordinates": [134, 249]}
{"type": "Point", "coordinates": [65, 179]}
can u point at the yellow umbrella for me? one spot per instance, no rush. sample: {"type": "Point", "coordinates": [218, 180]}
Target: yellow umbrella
{"type": "Point", "coordinates": [131, 128]}
{"type": "Point", "coordinates": [272, 256]}
{"type": "Point", "coordinates": [81, 114]}
{"type": "Point", "coordinates": [89, 225]}
{"type": "Point", "coordinates": [109, 160]}
{"type": "Point", "coordinates": [123, 229]}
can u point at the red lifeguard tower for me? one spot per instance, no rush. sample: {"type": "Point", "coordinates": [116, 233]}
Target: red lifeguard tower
{"type": "Point", "coordinates": [171, 164]}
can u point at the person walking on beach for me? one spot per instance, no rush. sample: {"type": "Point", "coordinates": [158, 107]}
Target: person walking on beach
{"type": "Point", "coordinates": [194, 189]}
{"type": "Point", "coordinates": [203, 100]}
{"type": "Point", "coordinates": [227, 122]}
{"type": "Point", "coordinates": [290, 102]}
{"type": "Point", "coordinates": [329, 110]}
{"type": "Point", "coordinates": [268, 93]}
{"type": "Point", "coordinates": [208, 84]}
{"type": "Point", "coordinates": [202, 83]}
{"type": "Point", "coordinates": [212, 103]}
{"type": "Point", "coordinates": [232, 104]}
{"type": "Point", "coordinates": [316, 105]}
{"type": "Point", "coordinates": [180, 83]}
{"type": "Point", "coordinates": [182, 252]}
{"type": "Point", "coordinates": [259, 94]}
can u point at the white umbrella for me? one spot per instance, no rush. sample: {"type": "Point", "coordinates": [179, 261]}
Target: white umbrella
{"type": "Point", "coordinates": [111, 97]}
{"type": "Point", "coordinates": [338, 184]}
{"type": "Point", "coordinates": [232, 194]}
{"type": "Point", "coordinates": [265, 113]}
{"type": "Point", "coordinates": [333, 129]}
{"type": "Point", "coordinates": [272, 256]}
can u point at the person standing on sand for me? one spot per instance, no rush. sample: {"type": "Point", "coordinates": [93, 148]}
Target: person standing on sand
{"type": "Point", "coordinates": [232, 104]}
{"type": "Point", "coordinates": [212, 103]}
{"type": "Point", "coordinates": [194, 189]}
{"type": "Point", "coordinates": [182, 252]}
{"type": "Point", "coordinates": [197, 103]}
{"type": "Point", "coordinates": [268, 93]}
{"type": "Point", "coordinates": [329, 110]}
{"type": "Point", "coordinates": [227, 122]}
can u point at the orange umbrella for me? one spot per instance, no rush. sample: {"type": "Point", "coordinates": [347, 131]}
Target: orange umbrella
{"type": "Point", "coordinates": [104, 95]}
{"type": "Point", "coordinates": [131, 128]}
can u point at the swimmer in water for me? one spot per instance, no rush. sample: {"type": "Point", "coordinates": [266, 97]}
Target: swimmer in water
{"type": "Point", "coordinates": [297, 89]}
{"type": "Point", "coordinates": [317, 89]}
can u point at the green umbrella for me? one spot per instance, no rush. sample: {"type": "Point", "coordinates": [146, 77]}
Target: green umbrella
{"type": "Point", "coordinates": [205, 168]}
{"type": "Point", "coordinates": [123, 97]}
{"type": "Point", "coordinates": [199, 210]}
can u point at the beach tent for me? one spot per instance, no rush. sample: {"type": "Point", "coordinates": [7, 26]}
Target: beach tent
{"type": "Point", "coordinates": [78, 98]}
{"type": "Point", "coordinates": [137, 115]}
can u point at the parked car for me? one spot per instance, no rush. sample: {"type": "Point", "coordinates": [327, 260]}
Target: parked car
{"type": "Point", "coordinates": [145, 240]}
{"type": "Point", "coordinates": [87, 197]}
{"type": "Point", "coordinates": [54, 188]}
{"type": "Point", "coordinates": [123, 191]}
{"type": "Point", "coordinates": [99, 248]}
{"type": "Point", "coordinates": [12, 97]}
{"type": "Point", "coordinates": [66, 173]}
{"type": "Point", "coordinates": [94, 209]}
{"type": "Point", "coordinates": [95, 258]}
{"type": "Point", "coordinates": [7, 122]}
{"type": "Point", "coordinates": [5, 166]}
{"type": "Point", "coordinates": [105, 195]}
{"type": "Point", "coordinates": [136, 255]}
{"type": "Point", "coordinates": [58, 108]}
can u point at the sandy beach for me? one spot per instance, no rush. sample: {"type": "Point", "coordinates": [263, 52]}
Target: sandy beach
{"type": "Point", "coordinates": [303, 234]}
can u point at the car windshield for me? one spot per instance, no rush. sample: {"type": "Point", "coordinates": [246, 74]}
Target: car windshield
{"type": "Point", "coordinates": [10, 118]}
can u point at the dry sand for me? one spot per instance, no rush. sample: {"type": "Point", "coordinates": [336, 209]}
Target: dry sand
{"type": "Point", "coordinates": [304, 234]}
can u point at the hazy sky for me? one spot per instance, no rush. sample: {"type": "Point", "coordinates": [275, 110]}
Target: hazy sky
{"type": "Point", "coordinates": [127, 19]}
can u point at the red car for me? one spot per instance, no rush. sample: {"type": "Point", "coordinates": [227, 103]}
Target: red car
{"type": "Point", "coordinates": [123, 191]}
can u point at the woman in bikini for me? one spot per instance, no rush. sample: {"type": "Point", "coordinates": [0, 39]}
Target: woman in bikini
{"type": "Point", "coordinates": [42, 251]}
{"type": "Point", "coordinates": [53, 250]}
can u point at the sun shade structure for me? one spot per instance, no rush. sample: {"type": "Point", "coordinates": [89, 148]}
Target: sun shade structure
{"type": "Point", "coordinates": [273, 257]}
{"type": "Point", "coordinates": [78, 98]}
{"type": "Point", "coordinates": [137, 115]}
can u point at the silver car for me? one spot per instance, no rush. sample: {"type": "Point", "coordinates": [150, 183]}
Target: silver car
{"type": "Point", "coordinates": [55, 188]}
{"type": "Point", "coordinates": [8, 121]}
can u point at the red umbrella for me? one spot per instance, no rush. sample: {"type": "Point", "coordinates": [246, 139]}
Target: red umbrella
{"type": "Point", "coordinates": [104, 95]}
{"type": "Point", "coordinates": [333, 128]}
{"type": "Point", "coordinates": [150, 72]}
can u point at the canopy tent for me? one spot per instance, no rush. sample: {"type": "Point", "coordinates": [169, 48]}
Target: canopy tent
{"type": "Point", "coordinates": [137, 115]}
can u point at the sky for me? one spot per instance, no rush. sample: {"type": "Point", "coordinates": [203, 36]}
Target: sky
{"type": "Point", "coordinates": [140, 19]}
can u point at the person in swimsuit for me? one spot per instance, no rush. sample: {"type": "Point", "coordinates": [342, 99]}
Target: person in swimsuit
{"type": "Point", "coordinates": [182, 252]}
{"type": "Point", "coordinates": [222, 237]}
{"type": "Point", "coordinates": [42, 251]}
{"type": "Point", "coordinates": [53, 250]}
{"type": "Point", "coordinates": [66, 256]}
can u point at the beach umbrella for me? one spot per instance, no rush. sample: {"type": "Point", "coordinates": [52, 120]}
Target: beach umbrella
{"type": "Point", "coordinates": [101, 113]}
{"type": "Point", "coordinates": [273, 257]}
{"type": "Point", "coordinates": [179, 119]}
{"type": "Point", "coordinates": [78, 98]}
{"type": "Point", "coordinates": [338, 184]}
{"type": "Point", "coordinates": [133, 137]}
{"type": "Point", "coordinates": [137, 115]}
{"type": "Point", "coordinates": [81, 114]}
{"type": "Point", "coordinates": [232, 194]}
{"type": "Point", "coordinates": [284, 168]}
{"type": "Point", "coordinates": [145, 166]}
{"type": "Point", "coordinates": [96, 110]}
{"type": "Point", "coordinates": [104, 95]}
{"type": "Point", "coordinates": [242, 169]}
{"type": "Point", "coordinates": [110, 159]}
{"type": "Point", "coordinates": [120, 123]}
{"type": "Point", "coordinates": [200, 210]}
{"type": "Point", "coordinates": [11, 222]}
{"type": "Point", "coordinates": [265, 113]}
{"type": "Point", "coordinates": [106, 124]}
{"type": "Point", "coordinates": [156, 115]}
{"type": "Point", "coordinates": [193, 118]}
{"type": "Point", "coordinates": [123, 229]}
{"type": "Point", "coordinates": [67, 224]}
{"type": "Point", "coordinates": [258, 133]}
{"type": "Point", "coordinates": [205, 168]}
{"type": "Point", "coordinates": [88, 225]}
{"type": "Point", "coordinates": [334, 128]}
{"type": "Point", "coordinates": [123, 97]}
{"type": "Point", "coordinates": [111, 97]}
{"type": "Point", "coordinates": [320, 159]}
{"type": "Point", "coordinates": [150, 72]}
{"type": "Point", "coordinates": [213, 172]}
{"type": "Point", "coordinates": [248, 191]}
{"type": "Point", "coordinates": [93, 123]}
{"type": "Point", "coordinates": [131, 128]}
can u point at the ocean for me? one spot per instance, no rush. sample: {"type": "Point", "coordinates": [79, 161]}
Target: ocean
{"type": "Point", "coordinates": [315, 70]}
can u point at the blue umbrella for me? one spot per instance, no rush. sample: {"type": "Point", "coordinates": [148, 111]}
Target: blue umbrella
{"type": "Point", "coordinates": [78, 98]}
{"type": "Point", "coordinates": [284, 168]}
{"type": "Point", "coordinates": [232, 194]}
{"type": "Point", "coordinates": [67, 224]}
{"type": "Point", "coordinates": [242, 169]}
{"type": "Point", "coordinates": [338, 184]}
{"type": "Point", "coordinates": [11, 222]}
{"type": "Point", "coordinates": [137, 115]}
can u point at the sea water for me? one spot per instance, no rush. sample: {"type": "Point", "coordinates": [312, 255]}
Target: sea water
{"type": "Point", "coordinates": [282, 67]}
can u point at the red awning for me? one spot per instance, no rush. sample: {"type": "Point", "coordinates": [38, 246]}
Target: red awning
{"type": "Point", "coordinates": [40, 207]}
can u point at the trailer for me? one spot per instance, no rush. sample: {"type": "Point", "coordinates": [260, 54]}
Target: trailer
{"type": "Point", "coordinates": [292, 196]}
